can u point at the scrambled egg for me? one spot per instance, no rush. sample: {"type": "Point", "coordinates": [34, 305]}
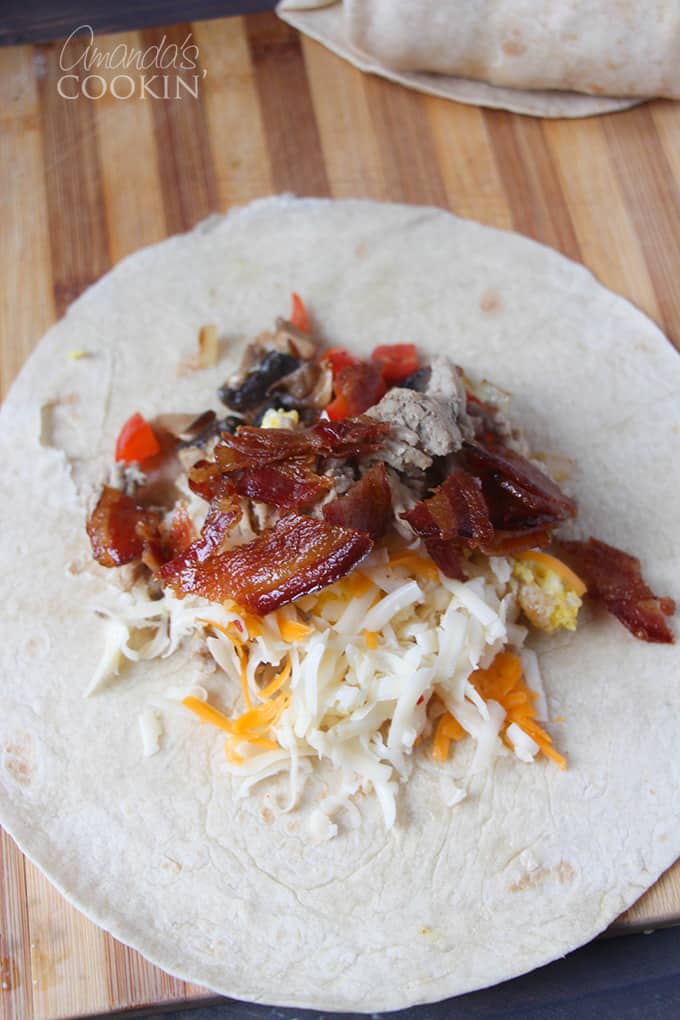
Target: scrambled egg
{"type": "Point", "coordinates": [546, 599]}
{"type": "Point", "coordinates": [276, 418]}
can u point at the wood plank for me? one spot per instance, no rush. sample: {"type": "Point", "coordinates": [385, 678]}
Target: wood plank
{"type": "Point", "coordinates": [467, 162]}
{"type": "Point", "coordinates": [293, 142]}
{"type": "Point", "coordinates": [15, 937]}
{"type": "Point", "coordinates": [234, 120]}
{"type": "Point", "coordinates": [26, 302]}
{"type": "Point", "coordinates": [407, 149]}
{"type": "Point", "coordinates": [652, 197]}
{"type": "Point", "coordinates": [351, 151]}
{"type": "Point", "coordinates": [539, 209]}
{"type": "Point", "coordinates": [606, 237]}
{"type": "Point", "coordinates": [657, 908]}
{"type": "Point", "coordinates": [68, 957]}
{"type": "Point", "coordinates": [75, 199]}
{"type": "Point", "coordinates": [185, 169]}
{"type": "Point", "coordinates": [128, 161]}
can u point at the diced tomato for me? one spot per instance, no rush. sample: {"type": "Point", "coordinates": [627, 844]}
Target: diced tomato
{"type": "Point", "coordinates": [397, 361]}
{"type": "Point", "coordinates": [337, 409]}
{"type": "Point", "coordinates": [299, 315]}
{"type": "Point", "coordinates": [338, 358]}
{"type": "Point", "coordinates": [136, 441]}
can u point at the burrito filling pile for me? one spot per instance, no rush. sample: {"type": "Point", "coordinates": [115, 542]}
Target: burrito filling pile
{"type": "Point", "coordinates": [360, 547]}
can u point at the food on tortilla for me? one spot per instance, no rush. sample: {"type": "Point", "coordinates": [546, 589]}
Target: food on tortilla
{"type": "Point", "coordinates": [238, 893]}
{"type": "Point", "coordinates": [405, 545]}
{"type": "Point", "coordinates": [568, 59]}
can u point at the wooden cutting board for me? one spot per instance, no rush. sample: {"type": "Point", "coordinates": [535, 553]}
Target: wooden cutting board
{"type": "Point", "coordinates": [86, 181]}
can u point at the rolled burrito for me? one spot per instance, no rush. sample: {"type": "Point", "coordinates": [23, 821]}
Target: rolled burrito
{"type": "Point", "coordinates": [570, 58]}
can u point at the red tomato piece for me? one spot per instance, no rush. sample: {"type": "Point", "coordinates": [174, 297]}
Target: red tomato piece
{"type": "Point", "coordinates": [337, 409]}
{"type": "Point", "coordinates": [299, 315]}
{"type": "Point", "coordinates": [338, 358]}
{"type": "Point", "coordinates": [136, 441]}
{"type": "Point", "coordinates": [397, 361]}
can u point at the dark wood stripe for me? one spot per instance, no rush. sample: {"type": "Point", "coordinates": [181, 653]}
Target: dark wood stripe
{"type": "Point", "coordinates": [79, 246]}
{"type": "Point", "coordinates": [539, 208]}
{"type": "Point", "coordinates": [15, 957]}
{"type": "Point", "coordinates": [408, 152]}
{"type": "Point", "coordinates": [290, 126]}
{"type": "Point", "coordinates": [185, 166]}
{"type": "Point", "coordinates": [652, 198]}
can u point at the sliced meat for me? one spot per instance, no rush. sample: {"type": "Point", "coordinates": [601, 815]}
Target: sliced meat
{"type": "Point", "coordinates": [298, 556]}
{"type": "Point", "coordinates": [421, 428]}
{"type": "Point", "coordinates": [613, 577]}
{"type": "Point", "coordinates": [367, 506]}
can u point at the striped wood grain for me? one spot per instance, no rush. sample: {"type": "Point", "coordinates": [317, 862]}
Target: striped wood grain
{"type": "Point", "coordinates": [86, 182]}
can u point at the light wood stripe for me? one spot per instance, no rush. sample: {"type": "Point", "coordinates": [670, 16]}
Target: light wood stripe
{"type": "Point", "coordinates": [25, 270]}
{"type": "Point", "coordinates": [185, 169]}
{"type": "Point", "coordinates": [665, 116]}
{"type": "Point", "coordinates": [590, 187]}
{"type": "Point", "coordinates": [652, 197]}
{"type": "Point", "coordinates": [236, 132]}
{"type": "Point", "coordinates": [16, 1002]}
{"type": "Point", "coordinates": [293, 142]}
{"type": "Point", "coordinates": [128, 165]}
{"type": "Point", "coordinates": [75, 200]}
{"type": "Point", "coordinates": [466, 157]}
{"type": "Point", "coordinates": [64, 982]}
{"type": "Point", "coordinates": [407, 150]}
{"type": "Point", "coordinates": [350, 148]}
{"type": "Point", "coordinates": [531, 183]}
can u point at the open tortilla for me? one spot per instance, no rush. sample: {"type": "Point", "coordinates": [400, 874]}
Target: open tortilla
{"type": "Point", "coordinates": [559, 62]}
{"type": "Point", "coordinates": [232, 893]}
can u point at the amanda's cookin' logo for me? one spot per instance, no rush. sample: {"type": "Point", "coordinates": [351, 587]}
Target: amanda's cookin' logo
{"type": "Point", "coordinates": [165, 70]}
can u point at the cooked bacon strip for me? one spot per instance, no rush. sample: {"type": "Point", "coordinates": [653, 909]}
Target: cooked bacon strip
{"type": "Point", "coordinates": [225, 512]}
{"type": "Point", "coordinates": [613, 578]}
{"type": "Point", "coordinates": [119, 529]}
{"type": "Point", "coordinates": [288, 486]}
{"type": "Point", "coordinates": [298, 556]}
{"type": "Point", "coordinates": [360, 385]}
{"type": "Point", "coordinates": [518, 494]}
{"type": "Point", "coordinates": [366, 506]}
{"type": "Point", "coordinates": [205, 479]}
{"type": "Point", "coordinates": [509, 543]}
{"type": "Point", "coordinates": [454, 518]}
{"type": "Point", "coordinates": [254, 447]}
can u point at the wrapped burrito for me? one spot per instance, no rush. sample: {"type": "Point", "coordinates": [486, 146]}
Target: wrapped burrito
{"type": "Point", "coordinates": [568, 59]}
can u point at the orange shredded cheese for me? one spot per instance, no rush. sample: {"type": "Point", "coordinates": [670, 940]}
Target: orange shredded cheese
{"type": "Point", "coordinates": [418, 565]}
{"type": "Point", "coordinates": [292, 630]}
{"type": "Point", "coordinates": [448, 729]}
{"type": "Point", "coordinates": [371, 639]}
{"type": "Point", "coordinates": [208, 714]}
{"type": "Point", "coordinates": [504, 682]}
{"type": "Point", "coordinates": [566, 575]}
{"type": "Point", "coordinates": [278, 681]}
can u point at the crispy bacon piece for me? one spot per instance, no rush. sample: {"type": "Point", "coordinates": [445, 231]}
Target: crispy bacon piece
{"type": "Point", "coordinates": [360, 386]}
{"type": "Point", "coordinates": [180, 534]}
{"type": "Point", "coordinates": [289, 486]}
{"type": "Point", "coordinates": [119, 529]}
{"type": "Point", "coordinates": [225, 512]}
{"type": "Point", "coordinates": [366, 506]}
{"type": "Point", "coordinates": [518, 494]}
{"type": "Point", "coordinates": [298, 556]}
{"type": "Point", "coordinates": [454, 518]}
{"type": "Point", "coordinates": [254, 447]}
{"type": "Point", "coordinates": [205, 479]}
{"type": "Point", "coordinates": [509, 543]}
{"type": "Point", "coordinates": [613, 578]}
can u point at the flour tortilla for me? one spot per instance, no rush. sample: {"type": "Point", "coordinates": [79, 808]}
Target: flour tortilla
{"type": "Point", "coordinates": [464, 44]}
{"type": "Point", "coordinates": [229, 893]}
